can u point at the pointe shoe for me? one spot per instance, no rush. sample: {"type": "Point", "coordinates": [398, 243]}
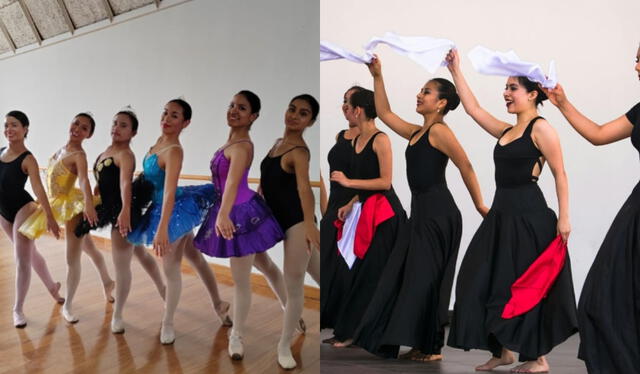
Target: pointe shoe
{"type": "Point", "coordinates": [117, 326]}
{"type": "Point", "coordinates": [302, 327]}
{"type": "Point", "coordinates": [223, 313]}
{"type": "Point", "coordinates": [19, 320]}
{"type": "Point", "coordinates": [107, 290]}
{"type": "Point", "coordinates": [167, 334]}
{"type": "Point", "coordinates": [235, 347]}
{"type": "Point", "coordinates": [68, 316]}
{"type": "Point", "coordinates": [285, 359]}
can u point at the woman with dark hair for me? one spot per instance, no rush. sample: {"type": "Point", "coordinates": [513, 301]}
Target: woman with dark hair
{"type": "Point", "coordinates": [240, 225]}
{"type": "Point", "coordinates": [334, 269]}
{"type": "Point", "coordinates": [69, 205]}
{"type": "Point", "coordinates": [113, 171]}
{"type": "Point", "coordinates": [370, 177]}
{"type": "Point", "coordinates": [173, 214]}
{"type": "Point", "coordinates": [608, 318]}
{"type": "Point", "coordinates": [412, 302]}
{"type": "Point", "coordinates": [16, 164]}
{"type": "Point", "coordinates": [285, 184]}
{"type": "Point", "coordinates": [517, 229]}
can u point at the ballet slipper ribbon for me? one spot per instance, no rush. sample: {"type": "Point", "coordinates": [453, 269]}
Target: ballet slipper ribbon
{"type": "Point", "coordinates": [508, 64]}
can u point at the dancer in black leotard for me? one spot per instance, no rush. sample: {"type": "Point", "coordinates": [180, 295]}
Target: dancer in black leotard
{"type": "Point", "coordinates": [412, 301]}
{"type": "Point", "coordinates": [16, 164]}
{"type": "Point", "coordinates": [518, 227]}
{"type": "Point", "coordinates": [609, 318]}
{"type": "Point", "coordinates": [284, 180]}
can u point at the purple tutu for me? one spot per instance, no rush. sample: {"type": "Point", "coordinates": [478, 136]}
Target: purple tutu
{"type": "Point", "coordinates": [256, 230]}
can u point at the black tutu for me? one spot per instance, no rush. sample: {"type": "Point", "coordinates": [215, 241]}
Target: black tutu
{"type": "Point", "coordinates": [411, 304]}
{"type": "Point", "coordinates": [609, 309]}
{"type": "Point", "coordinates": [108, 211]}
{"type": "Point", "coordinates": [517, 229]}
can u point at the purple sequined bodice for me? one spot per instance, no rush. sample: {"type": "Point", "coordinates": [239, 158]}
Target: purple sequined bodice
{"type": "Point", "coordinates": [219, 172]}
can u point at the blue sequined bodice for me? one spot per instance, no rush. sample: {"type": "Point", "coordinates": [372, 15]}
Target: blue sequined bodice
{"type": "Point", "coordinates": [155, 174]}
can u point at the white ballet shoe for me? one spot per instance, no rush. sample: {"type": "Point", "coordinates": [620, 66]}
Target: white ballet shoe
{"type": "Point", "coordinates": [235, 348]}
{"type": "Point", "coordinates": [167, 334]}
{"type": "Point", "coordinates": [285, 358]}
{"type": "Point", "coordinates": [68, 316]}
{"type": "Point", "coordinates": [117, 326]}
{"type": "Point", "coordinates": [19, 320]}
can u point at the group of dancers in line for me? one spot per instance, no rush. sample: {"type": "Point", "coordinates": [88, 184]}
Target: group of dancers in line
{"type": "Point", "coordinates": [398, 293]}
{"type": "Point", "coordinates": [235, 222]}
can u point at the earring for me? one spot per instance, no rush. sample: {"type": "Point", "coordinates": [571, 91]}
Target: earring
{"type": "Point", "coordinates": [438, 110]}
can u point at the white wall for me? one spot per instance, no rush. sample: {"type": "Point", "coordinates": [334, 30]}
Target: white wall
{"type": "Point", "coordinates": [594, 44]}
{"type": "Point", "coordinates": [203, 50]}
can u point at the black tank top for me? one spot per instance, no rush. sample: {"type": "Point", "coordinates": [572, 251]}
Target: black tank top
{"type": "Point", "coordinates": [633, 115]}
{"type": "Point", "coordinates": [339, 159]}
{"type": "Point", "coordinates": [364, 165]}
{"type": "Point", "coordinates": [280, 190]}
{"type": "Point", "coordinates": [426, 165]}
{"type": "Point", "coordinates": [108, 176]}
{"type": "Point", "coordinates": [515, 161]}
{"type": "Point", "coordinates": [12, 193]}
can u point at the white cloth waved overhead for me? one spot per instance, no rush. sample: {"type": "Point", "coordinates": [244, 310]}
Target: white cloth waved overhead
{"type": "Point", "coordinates": [490, 62]}
{"type": "Point", "coordinates": [425, 51]}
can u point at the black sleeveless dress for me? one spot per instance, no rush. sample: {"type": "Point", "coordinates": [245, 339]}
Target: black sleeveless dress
{"type": "Point", "coordinates": [518, 227]}
{"type": "Point", "coordinates": [390, 234]}
{"type": "Point", "coordinates": [107, 174]}
{"type": "Point", "coordinates": [335, 272]}
{"type": "Point", "coordinates": [609, 309]}
{"type": "Point", "coordinates": [412, 301]}
{"type": "Point", "coordinates": [13, 196]}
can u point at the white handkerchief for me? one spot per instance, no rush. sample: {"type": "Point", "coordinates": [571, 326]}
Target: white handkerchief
{"type": "Point", "coordinates": [425, 51]}
{"type": "Point", "coordinates": [330, 51]}
{"type": "Point", "coordinates": [346, 242]}
{"type": "Point", "coordinates": [490, 62]}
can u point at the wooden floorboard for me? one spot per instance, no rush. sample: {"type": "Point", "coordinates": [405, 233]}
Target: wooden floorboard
{"type": "Point", "coordinates": [49, 345]}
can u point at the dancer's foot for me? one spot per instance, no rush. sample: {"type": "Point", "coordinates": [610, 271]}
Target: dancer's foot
{"type": "Point", "coordinates": [494, 362]}
{"type": "Point", "coordinates": [332, 340]}
{"type": "Point", "coordinates": [235, 347]}
{"type": "Point", "coordinates": [167, 334]}
{"type": "Point", "coordinates": [538, 366]}
{"type": "Point", "coordinates": [108, 289]}
{"type": "Point", "coordinates": [285, 358]}
{"type": "Point", "coordinates": [344, 344]}
{"type": "Point", "coordinates": [414, 352]}
{"type": "Point", "coordinates": [302, 327]}
{"type": "Point", "coordinates": [55, 293]}
{"type": "Point", "coordinates": [117, 325]}
{"type": "Point", "coordinates": [423, 357]}
{"type": "Point", "coordinates": [68, 315]}
{"type": "Point", "coordinates": [222, 310]}
{"type": "Point", "coordinates": [19, 320]}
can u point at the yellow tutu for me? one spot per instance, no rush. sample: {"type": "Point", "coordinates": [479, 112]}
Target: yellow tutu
{"type": "Point", "coordinates": [65, 199]}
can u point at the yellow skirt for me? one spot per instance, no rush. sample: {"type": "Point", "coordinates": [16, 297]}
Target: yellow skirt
{"type": "Point", "coordinates": [64, 208]}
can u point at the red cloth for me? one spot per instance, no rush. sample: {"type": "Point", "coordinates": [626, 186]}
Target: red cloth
{"type": "Point", "coordinates": [534, 284]}
{"type": "Point", "coordinates": [338, 224]}
{"type": "Point", "coordinates": [375, 210]}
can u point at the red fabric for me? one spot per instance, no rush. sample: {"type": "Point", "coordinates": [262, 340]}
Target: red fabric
{"type": "Point", "coordinates": [534, 284]}
{"type": "Point", "coordinates": [338, 224]}
{"type": "Point", "coordinates": [375, 210]}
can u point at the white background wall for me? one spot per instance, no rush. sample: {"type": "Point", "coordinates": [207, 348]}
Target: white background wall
{"type": "Point", "coordinates": [203, 50]}
{"type": "Point", "coordinates": [594, 44]}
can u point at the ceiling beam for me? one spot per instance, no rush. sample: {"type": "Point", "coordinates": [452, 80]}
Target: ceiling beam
{"type": "Point", "coordinates": [7, 36]}
{"type": "Point", "coordinates": [107, 7]}
{"type": "Point", "coordinates": [67, 16]}
{"type": "Point", "coordinates": [27, 14]}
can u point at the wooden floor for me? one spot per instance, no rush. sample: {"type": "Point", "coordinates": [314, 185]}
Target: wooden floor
{"type": "Point", "coordinates": [49, 345]}
{"type": "Point", "coordinates": [562, 360]}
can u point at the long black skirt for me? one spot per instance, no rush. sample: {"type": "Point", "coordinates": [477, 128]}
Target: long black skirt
{"type": "Point", "coordinates": [609, 309]}
{"type": "Point", "coordinates": [517, 229]}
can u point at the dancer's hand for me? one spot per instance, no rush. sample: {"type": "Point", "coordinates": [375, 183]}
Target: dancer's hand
{"type": "Point", "coordinates": [556, 95]}
{"type": "Point", "coordinates": [312, 235]}
{"type": "Point", "coordinates": [52, 226]}
{"type": "Point", "coordinates": [90, 214]}
{"type": "Point", "coordinates": [564, 228]}
{"type": "Point", "coordinates": [453, 60]}
{"type": "Point", "coordinates": [375, 67]}
{"type": "Point", "coordinates": [161, 242]}
{"type": "Point", "coordinates": [225, 227]}
{"type": "Point", "coordinates": [344, 211]}
{"type": "Point", "coordinates": [483, 210]}
{"type": "Point", "coordinates": [124, 223]}
{"type": "Point", "coordinates": [338, 176]}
